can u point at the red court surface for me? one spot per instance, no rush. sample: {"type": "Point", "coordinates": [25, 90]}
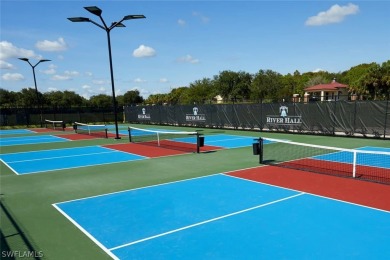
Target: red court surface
{"type": "Point", "coordinates": [346, 189]}
{"type": "Point", "coordinates": [155, 151]}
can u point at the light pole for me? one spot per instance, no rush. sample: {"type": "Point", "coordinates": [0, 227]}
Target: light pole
{"type": "Point", "coordinates": [35, 83]}
{"type": "Point", "coordinates": [98, 12]}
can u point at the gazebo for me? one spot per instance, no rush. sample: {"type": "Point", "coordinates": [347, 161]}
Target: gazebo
{"type": "Point", "coordinates": [327, 92]}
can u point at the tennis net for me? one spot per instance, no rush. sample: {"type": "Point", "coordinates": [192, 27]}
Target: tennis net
{"type": "Point", "coordinates": [176, 140]}
{"type": "Point", "coordinates": [55, 124]}
{"type": "Point", "coordinates": [367, 163]}
{"type": "Point", "coordinates": [89, 129]}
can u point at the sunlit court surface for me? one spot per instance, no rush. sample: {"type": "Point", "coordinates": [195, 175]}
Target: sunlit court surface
{"type": "Point", "coordinates": [156, 194]}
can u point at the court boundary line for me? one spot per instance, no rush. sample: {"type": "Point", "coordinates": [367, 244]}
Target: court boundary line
{"type": "Point", "coordinates": [9, 167]}
{"type": "Point", "coordinates": [207, 221]}
{"type": "Point", "coordinates": [134, 189]}
{"type": "Point", "coordinates": [308, 193]}
{"type": "Point", "coordinates": [86, 232]}
{"type": "Point", "coordinates": [36, 137]}
{"type": "Point", "coordinates": [109, 250]}
{"type": "Point", "coordinates": [54, 149]}
{"type": "Point", "coordinates": [59, 157]}
{"type": "Point", "coordinates": [23, 129]}
{"type": "Point", "coordinates": [61, 169]}
{"type": "Point", "coordinates": [166, 183]}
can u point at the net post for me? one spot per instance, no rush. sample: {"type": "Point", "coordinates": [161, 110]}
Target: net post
{"type": "Point", "coordinates": [258, 149]}
{"type": "Point", "coordinates": [261, 141]}
{"type": "Point", "coordinates": [197, 143]}
{"type": "Point", "coordinates": [199, 140]}
{"type": "Point", "coordinates": [106, 132]}
{"type": "Point", "coordinates": [158, 139]}
{"type": "Point", "coordinates": [354, 164]}
{"type": "Point", "coordinates": [129, 130]}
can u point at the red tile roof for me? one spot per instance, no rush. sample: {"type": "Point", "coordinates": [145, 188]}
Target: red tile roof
{"type": "Point", "coordinates": [334, 85]}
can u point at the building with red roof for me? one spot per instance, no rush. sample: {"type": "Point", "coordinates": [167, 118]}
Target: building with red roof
{"type": "Point", "coordinates": [327, 92]}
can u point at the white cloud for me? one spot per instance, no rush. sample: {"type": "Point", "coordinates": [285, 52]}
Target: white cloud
{"type": "Point", "coordinates": [12, 77]}
{"type": "Point", "coordinates": [6, 66]}
{"type": "Point", "coordinates": [139, 80]}
{"type": "Point", "coordinates": [203, 18]}
{"type": "Point", "coordinates": [335, 14]}
{"type": "Point", "coordinates": [51, 70]}
{"type": "Point", "coordinates": [181, 22]}
{"type": "Point", "coordinates": [68, 75]}
{"type": "Point", "coordinates": [52, 89]}
{"type": "Point", "coordinates": [46, 45]}
{"type": "Point", "coordinates": [99, 82]}
{"type": "Point", "coordinates": [188, 59]}
{"type": "Point", "coordinates": [143, 92]}
{"type": "Point", "coordinates": [144, 51]}
{"type": "Point", "coordinates": [164, 80]}
{"type": "Point", "coordinates": [8, 50]}
{"type": "Point", "coordinates": [60, 77]}
{"type": "Point", "coordinates": [71, 73]}
{"type": "Point", "coordinates": [318, 70]}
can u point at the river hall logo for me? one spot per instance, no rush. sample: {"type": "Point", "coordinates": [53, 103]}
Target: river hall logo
{"type": "Point", "coordinates": [195, 116]}
{"type": "Point", "coordinates": [144, 115]}
{"type": "Point", "coordinates": [283, 118]}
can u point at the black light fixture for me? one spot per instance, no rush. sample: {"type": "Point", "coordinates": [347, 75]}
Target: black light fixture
{"type": "Point", "coordinates": [35, 84]}
{"type": "Point", "coordinates": [98, 12]}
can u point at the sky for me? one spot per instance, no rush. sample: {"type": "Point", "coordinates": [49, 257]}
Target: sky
{"type": "Point", "coordinates": [181, 42]}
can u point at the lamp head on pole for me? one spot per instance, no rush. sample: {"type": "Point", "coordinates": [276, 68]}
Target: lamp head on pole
{"type": "Point", "coordinates": [115, 24]}
{"type": "Point", "coordinates": [134, 16]}
{"type": "Point", "coordinates": [79, 19]}
{"type": "Point", "coordinates": [27, 60]}
{"type": "Point", "coordinates": [94, 10]}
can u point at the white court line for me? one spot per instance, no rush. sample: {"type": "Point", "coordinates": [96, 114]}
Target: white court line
{"type": "Point", "coordinates": [109, 151]}
{"type": "Point", "coordinates": [86, 232]}
{"type": "Point", "coordinates": [59, 157]}
{"type": "Point", "coordinates": [308, 193]}
{"type": "Point", "coordinates": [206, 221]}
{"type": "Point", "coordinates": [77, 167]}
{"type": "Point", "coordinates": [139, 188]}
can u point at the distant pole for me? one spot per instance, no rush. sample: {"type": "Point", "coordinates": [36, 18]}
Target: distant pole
{"type": "Point", "coordinates": [39, 104]}
{"type": "Point", "coordinates": [98, 12]}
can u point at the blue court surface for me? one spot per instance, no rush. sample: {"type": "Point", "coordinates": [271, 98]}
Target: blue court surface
{"type": "Point", "coordinates": [23, 140]}
{"type": "Point", "coordinates": [16, 132]}
{"type": "Point", "coordinates": [59, 159]}
{"type": "Point", "coordinates": [223, 217]}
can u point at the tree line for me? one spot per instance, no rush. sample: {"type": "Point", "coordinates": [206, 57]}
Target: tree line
{"type": "Point", "coordinates": [369, 81]}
